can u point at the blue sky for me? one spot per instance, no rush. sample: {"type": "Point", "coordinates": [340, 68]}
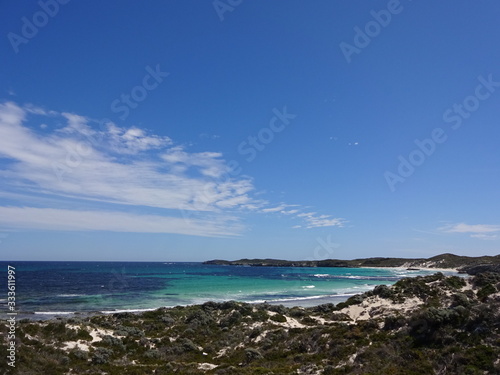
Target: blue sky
{"type": "Point", "coordinates": [193, 130]}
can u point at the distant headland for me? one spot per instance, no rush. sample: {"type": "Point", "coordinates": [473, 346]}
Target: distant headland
{"type": "Point", "coordinates": [463, 264]}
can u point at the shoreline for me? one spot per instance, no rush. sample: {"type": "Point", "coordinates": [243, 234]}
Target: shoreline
{"type": "Point", "coordinates": [404, 268]}
{"type": "Point", "coordinates": [310, 301]}
{"type": "Point", "coordinates": [300, 302]}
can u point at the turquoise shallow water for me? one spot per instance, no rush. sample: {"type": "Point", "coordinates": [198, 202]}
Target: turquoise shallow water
{"type": "Point", "coordinates": [51, 288]}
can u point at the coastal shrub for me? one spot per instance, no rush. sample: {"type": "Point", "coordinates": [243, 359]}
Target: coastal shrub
{"type": "Point", "coordinates": [153, 315]}
{"type": "Point", "coordinates": [120, 332]}
{"type": "Point", "coordinates": [31, 329]}
{"type": "Point", "coordinates": [233, 319]}
{"type": "Point", "coordinates": [64, 360]}
{"type": "Point", "coordinates": [460, 299]}
{"type": "Point", "coordinates": [329, 370]}
{"type": "Point", "coordinates": [153, 328]}
{"type": "Point", "coordinates": [486, 278]}
{"type": "Point", "coordinates": [320, 309]}
{"type": "Point", "coordinates": [75, 320]}
{"type": "Point", "coordinates": [152, 354]}
{"type": "Point", "coordinates": [419, 287]}
{"type": "Point", "coordinates": [383, 291]}
{"type": "Point", "coordinates": [339, 317]}
{"type": "Point", "coordinates": [460, 316]}
{"type": "Point", "coordinates": [260, 315]}
{"type": "Point", "coordinates": [252, 354]}
{"type": "Point", "coordinates": [166, 369]}
{"type": "Point", "coordinates": [341, 306]}
{"type": "Point", "coordinates": [266, 344]}
{"type": "Point", "coordinates": [144, 341]}
{"type": "Point", "coordinates": [199, 318]}
{"type": "Point", "coordinates": [168, 320]}
{"type": "Point", "coordinates": [255, 333]}
{"type": "Point", "coordinates": [485, 315]}
{"type": "Point", "coordinates": [297, 312]}
{"type": "Point", "coordinates": [435, 316]}
{"type": "Point", "coordinates": [84, 335]}
{"type": "Point", "coordinates": [124, 316]}
{"type": "Point", "coordinates": [483, 357]}
{"type": "Point", "coordinates": [485, 291]}
{"type": "Point", "coordinates": [435, 325]}
{"type": "Point", "coordinates": [354, 300]}
{"type": "Point", "coordinates": [134, 331]}
{"type": "Point", "coordinates": [101, 356]}
{"type": "Point", "coordinates": [278, 335]}
{"type": "Point", "coordinates": [455, 282]}
{"type": "Point", "coordinates": [308, 321]}
{"type": "Point", "coordinates": [229, 305]}
{"type": "Point", "coordinates": [278, 318]}
{"type": "Point", "coordinates": [128, 331]}
{"type": "Point", "coordinates": [245, 309]}
{"type": "Point", "coordinates": [78, 354]}
{"type": "Point", "coordinates": [187, 345]}
{"type": "Point", "coordinates": [280, 309]}
{"type": "Point", "coordinates": [57, 330]}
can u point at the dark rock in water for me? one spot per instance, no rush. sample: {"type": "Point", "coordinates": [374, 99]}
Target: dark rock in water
{"type": "Point", "coordinates": [413, 269]}
{"type": "Point", "coordinates": [474, 270]}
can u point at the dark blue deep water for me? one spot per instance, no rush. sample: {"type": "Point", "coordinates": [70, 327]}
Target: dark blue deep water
{"type": "Point", "coordinates": [45, 289]}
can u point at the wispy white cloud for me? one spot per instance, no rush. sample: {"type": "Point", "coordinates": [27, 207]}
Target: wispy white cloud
{"type": "Point", "coordinates": [480, 231]}
{"type": "Point", "coordinates": [324, 221]}
{"type": "Point", "coordinates": [274, 209]}
{"type": "Point", "coordinates": [306, 214]}
{"type": "Point", "coordinates": [289, 212]}
{"type": "Point", "coordinates": [483, 236]}
{"type": "Point", "coordinates": [135, 140]}
{"type": "Point", "coordinates": [314, 220]}
{"type": "Point", "coordinates": [70, 162]}
{"type": "Point", "coordinates": [77, 220]}
{"type": "Point", "coordinates": [210, 164]}
{"type": "Point", "coordinates": [122, 166]}
{"type": "Point", "coordinates": [37, 110]}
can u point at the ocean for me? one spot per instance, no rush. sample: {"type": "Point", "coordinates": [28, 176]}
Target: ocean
{"type": "Point", "coordinates": [48, 289]}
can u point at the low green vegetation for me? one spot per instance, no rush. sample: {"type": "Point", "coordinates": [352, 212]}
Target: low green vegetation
{"type": "Point", "coordinates": [453, 330]}
{"type": "Point", "coordinates": [438, 261]}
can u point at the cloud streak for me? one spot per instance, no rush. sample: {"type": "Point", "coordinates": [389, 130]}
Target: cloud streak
{"type": "Point", "coordinates": [480, 231]}
{"type": "Point", "coordinates": [68, 162]}
{"type": "Point", "coordinates": [84, 162]}
{"type": "Point", "coordinates": [113, 221]}
{"type": "Point", "coordinates": [313, 220]}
